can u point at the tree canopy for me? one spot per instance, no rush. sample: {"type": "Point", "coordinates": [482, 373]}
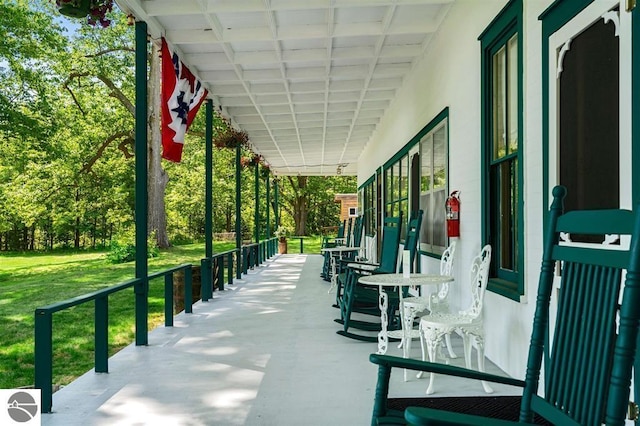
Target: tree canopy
{"type": "Point", "coordinates": [67, 139]}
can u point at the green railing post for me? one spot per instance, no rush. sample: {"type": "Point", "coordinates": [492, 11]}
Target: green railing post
{"type": "Point", "coordinates": [230, 268]}
{"type": "Point", "coordinates": [301, 245]}
{"type": "Point", "coordinates": [168, 299]}
{"type": "Point", "coordinates": [188, 289]}
{"type": "Point", "coordinates": [101, 334]}
{"type": "Point", "coordinates": [43, 349]}
{"type": "Point", "coordinates": [206, 278]}
{"type": "Point", "coordinates": [221, 273]}
{"type": "Point", "coordinates": [141, 288]}
{"type": "Point", "coordinates": [245, 259]}
{"type": "Point", "coordinates": [239, 268]}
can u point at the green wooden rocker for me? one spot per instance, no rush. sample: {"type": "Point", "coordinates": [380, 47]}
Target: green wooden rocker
{"type": "Point", "coordinates": [588, 366]}
{"type": "Point", "coordinates": [340, 260]}
{"type": "Point", "coordinates": [364, 299]}
{"type": "Point", "coordinates": [328, 242]}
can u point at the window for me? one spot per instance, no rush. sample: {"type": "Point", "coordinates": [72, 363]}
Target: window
{"type": "Point", "coordinates": [397, 188]}
{"type": "Point", "coordinates": [353, 211]}
{"type": "Point", "coordinates": [501, 147]}
{"type": "Point", "coordinates": [367, 205]}
{"type": "Point", "coordinates": [433, 188]}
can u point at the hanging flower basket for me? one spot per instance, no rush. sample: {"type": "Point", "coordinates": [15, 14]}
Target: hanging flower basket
{"type": "Point", "coordinates": [266, 171]}
{"type": "Point", "coordinates": [94, 10]}
{"type": "Point", "coordinates": [252, 161]}
{"type": "Point", "coordinates": [231, 138]}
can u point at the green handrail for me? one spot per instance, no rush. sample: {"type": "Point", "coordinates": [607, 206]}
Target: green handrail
{"type": "Point", "coordinates": [215, 265]}
{"type": "Point", "coordinates": [43, 344]}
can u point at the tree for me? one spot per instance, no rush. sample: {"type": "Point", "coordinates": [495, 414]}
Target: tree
{"type": "Point", "coordinates": [309, 200]}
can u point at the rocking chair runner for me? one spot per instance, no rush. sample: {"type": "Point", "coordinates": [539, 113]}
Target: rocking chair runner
{"type": "Point", "coordinates": [588, 366]}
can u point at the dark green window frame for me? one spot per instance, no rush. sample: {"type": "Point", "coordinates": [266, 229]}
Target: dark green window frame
{"type": "Point", "coordinates": [400, 163]}
{"type": "Point", "coordinates": [502, 176]}
{"type": "Point", "coordinates": [396, 197]}
{"type": "Point", "coordinates": [434, 185]}
{"type": "Point", "coordinates": [367, 204]}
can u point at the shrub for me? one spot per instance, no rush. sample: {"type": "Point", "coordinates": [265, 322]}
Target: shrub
{"type": "Point", "coordinates": [123, 250]}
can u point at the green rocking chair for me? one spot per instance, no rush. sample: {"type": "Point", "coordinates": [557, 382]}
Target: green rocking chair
{"type": "Point", "coordinates": [363, 299]}
{"type": "Point", "coordinates": [328, 242]}
{"type": "Point", "coordinates": [589, 361]}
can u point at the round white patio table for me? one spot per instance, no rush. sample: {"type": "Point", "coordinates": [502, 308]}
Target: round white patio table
{"type": "Point", "coordinates": [397, 280]}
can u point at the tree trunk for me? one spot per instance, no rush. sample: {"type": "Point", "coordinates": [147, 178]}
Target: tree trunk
{"type": "Point", "coordinates": [301, 206]}
{"type": "Point", "coordinates": [229, 215]}
{"type": "Point", "coordinates": [157, 177]}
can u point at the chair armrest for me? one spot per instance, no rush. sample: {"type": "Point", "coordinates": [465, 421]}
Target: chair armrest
{"type": "Point", "coordinates": [431, 367]}
{"type": "Point", "coordinates": [357, 262]}
{"type": "Point", "coordinates": [419, 416]}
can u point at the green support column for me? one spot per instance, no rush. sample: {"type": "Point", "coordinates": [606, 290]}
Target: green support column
{"type": "Point", "coordinates": [276, 211]}
{"type": "Point", "coordinates": [257, 203]}
{"type": "Point", "coordinates": [141, 288]}
{"type": "Point", "coordinates": [635, 152]}
{"type": "Point", "coordinates": [268, 228]}
{"type": "Point", "coordinates": [207, 288]}
{"type": "Point", "coordinates": [238, 216]}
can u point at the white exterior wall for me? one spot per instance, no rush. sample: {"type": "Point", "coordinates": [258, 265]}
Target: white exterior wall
{"type": "Point", "coordinates": [449, 76]}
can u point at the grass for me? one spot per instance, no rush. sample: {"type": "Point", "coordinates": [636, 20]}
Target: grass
{"type": "Point", "coordinates": [32, 280]}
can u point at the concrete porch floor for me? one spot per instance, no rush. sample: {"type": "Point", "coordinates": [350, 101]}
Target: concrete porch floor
{"type": "Point", "coordinates": [263, 352]}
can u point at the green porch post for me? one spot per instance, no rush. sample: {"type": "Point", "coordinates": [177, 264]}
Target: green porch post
{"type": "Point", "coordinates": [207, 289]}
{"type": "Point", "coordinates": [238, 216]}
{"type": "Point", "coordinates": [257, 203]}
{"type": "Point", "coordinates": [276, 191]}
{"type": "Point", "coordinates": [268, 229]}
{"type": "Point", "coordinates": [141, 288]}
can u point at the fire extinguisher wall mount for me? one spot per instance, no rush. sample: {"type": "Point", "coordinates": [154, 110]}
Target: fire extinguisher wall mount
{"type": "Point", "coordinates": [452, 207]}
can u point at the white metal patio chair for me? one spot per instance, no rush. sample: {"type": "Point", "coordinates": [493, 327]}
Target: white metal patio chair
{"type": "Point", "coordinates": [435, 302]}
{"type": "Point", "coordinates": [468, 323]}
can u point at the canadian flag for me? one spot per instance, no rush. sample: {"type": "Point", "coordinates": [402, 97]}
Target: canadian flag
{"type": "Point", "coordinates": [182, 95]}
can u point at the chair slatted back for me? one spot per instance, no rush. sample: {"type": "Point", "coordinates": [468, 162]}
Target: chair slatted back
{"type": "Point", "coordinates": [412, 239]}
{"type": "Point", "coordinates": [358, 231]}
{"type": "Point", "coordinates": [588, 373]}
{"type": "Point", "coordinates": [343, 224]}
{"type": "Point", "coordinates": [446, 268]}
{"type": "Point", "coordinates": [390, 245]}
{"type": "Point", "coordinates": [349, 231]}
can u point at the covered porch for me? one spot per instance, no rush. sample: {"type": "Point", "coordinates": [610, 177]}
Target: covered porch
{"type": "Point", "coordinates": [262, 352]}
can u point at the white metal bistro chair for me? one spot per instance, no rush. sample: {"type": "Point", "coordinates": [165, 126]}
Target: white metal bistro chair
{"type": "Point", "coordinates": [468, 323]}
{"type": "Point", "coordinates": [435, 302]}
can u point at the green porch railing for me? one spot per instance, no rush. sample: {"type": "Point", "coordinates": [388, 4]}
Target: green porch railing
{"type": "Point", "coordinates": [44, 326]}
{"type": "Point", "coordinates": [256, 253]}
{"type": "Point", "coordinates": [217, 264]}
{"type": "Point", "coordinates": [250, 256]}
{"type": "Point", "coordinates": [301, 238]}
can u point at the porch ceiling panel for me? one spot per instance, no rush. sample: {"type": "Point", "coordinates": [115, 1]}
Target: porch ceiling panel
{"type": "Point", "coordinates": [309, 80]}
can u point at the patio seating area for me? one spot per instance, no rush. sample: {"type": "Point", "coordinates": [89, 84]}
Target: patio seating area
{"type": "Point", "coordinates": [263, 352]}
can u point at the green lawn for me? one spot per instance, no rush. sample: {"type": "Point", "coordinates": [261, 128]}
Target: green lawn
{"type": "Point", "coordinates": [31, 280]}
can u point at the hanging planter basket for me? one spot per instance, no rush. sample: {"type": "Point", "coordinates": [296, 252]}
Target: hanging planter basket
{"type": "Point", "coordinates": [231, 138]}
{"type": "Point", "coordinates": [93, 10]}
{"type": "Point", "coordinates": [74, 8]}
{"type": "Point", "coordinates": [252, 161]}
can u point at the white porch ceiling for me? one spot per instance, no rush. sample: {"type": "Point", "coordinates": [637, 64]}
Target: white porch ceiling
{"type": "Point", "coordinates": [308, 80]}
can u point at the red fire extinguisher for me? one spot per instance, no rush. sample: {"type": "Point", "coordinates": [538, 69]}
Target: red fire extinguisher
{"type": "Point", "coordinates": [453, 214]}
